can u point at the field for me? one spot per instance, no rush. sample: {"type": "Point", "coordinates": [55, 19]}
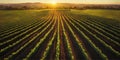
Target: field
{"type": "Point", "coordinates": [59, 35]}
{"type": "Point", "coordinates": [106, 13]}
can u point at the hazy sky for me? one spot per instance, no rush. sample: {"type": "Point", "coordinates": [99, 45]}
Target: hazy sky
{"type": "Point", "coordinates": [62, 1]}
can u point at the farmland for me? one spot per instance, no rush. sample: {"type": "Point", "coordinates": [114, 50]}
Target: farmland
{"type": "Point", "coordinates": [52, 34]}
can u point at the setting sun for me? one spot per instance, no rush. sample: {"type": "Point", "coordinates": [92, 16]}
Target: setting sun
{"type": "Point", "coordinates": [53, 2]}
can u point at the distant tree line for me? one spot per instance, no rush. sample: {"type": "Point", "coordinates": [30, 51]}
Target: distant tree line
{"type": "Point", "coordinates": [60, 6]}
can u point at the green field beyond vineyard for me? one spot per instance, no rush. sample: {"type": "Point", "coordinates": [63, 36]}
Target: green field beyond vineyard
{"type": "Point", "coordinates": [59, 34]}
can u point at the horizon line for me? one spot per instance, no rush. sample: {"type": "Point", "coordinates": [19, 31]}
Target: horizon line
{"type": "Point", "coordinates": [58, 2]}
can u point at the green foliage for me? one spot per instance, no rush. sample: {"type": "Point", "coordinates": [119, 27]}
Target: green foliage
{"type": "Point", "coordinates": [55, 28]}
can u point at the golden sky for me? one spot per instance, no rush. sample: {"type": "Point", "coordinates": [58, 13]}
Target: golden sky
{"type": "Point", "coordinates": [63, 1]}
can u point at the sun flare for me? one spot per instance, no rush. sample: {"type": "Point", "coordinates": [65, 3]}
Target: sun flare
{"type": "Point", "coordinates": [53, 2]}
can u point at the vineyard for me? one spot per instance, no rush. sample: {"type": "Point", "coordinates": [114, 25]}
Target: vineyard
{"type": "Point", "coordinates": [58, 35]}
